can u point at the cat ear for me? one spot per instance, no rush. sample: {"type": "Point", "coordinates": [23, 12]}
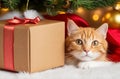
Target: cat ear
{"type": "Point", "coordinates": [103, 29]}
{"type": "Point", "coordinates": [71, 27]}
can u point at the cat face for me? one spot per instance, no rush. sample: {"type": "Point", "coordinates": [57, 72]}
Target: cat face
{"type": "Point", "coordinates": [86, 44]}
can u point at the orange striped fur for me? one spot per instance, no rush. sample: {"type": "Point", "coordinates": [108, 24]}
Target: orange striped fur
{"type": "Point", "coordinates": [88, 36]}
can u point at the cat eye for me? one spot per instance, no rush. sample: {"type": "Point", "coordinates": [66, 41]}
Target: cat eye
{"type": "Point", "coordinates": [95, 43]}
{"type": "Point", "coordinates": [79, 41]}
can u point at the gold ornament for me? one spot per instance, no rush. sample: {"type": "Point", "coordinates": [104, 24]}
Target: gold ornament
{"type": "Point", "coordinates": [113, 17]}
{"type": "Point", "coordinates": [117, 6]}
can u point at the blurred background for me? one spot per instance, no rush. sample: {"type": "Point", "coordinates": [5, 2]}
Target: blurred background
{"type": "Point", "coordinates": [95, 12]}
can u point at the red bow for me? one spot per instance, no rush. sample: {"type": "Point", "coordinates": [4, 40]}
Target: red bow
{"type": "Point", "coordinates": [17, 20]}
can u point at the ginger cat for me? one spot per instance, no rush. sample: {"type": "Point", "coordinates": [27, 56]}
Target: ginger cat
{"type": "Point", "coordinates": [86, 47]}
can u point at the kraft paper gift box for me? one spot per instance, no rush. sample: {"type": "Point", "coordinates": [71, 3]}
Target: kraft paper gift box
{"type": "Point", "coordinates": [36, 47]}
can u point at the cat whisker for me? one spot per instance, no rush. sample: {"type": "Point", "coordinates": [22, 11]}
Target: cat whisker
{"type": "Point", "coordinates": [89, 44]}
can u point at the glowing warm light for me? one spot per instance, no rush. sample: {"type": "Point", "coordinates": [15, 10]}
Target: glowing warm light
{"type": "Point", "coordinates": [61, 12]}
{"type": "Point", "coordinates": [99, 12]}
{"type": "Point", "coordinates": [117, 18]}
{"type": "Point", "coordinates": [4, 9]}
{"type": "Point", "coordinates": [117, 6]}
{"type": "Point", "coordinates": [108, 15]}
{"type": "Point", "coordinates": [95, 17]}
{"type": "Point", "coordinates": [80, 10]}
{"type": "Point", "coordinates": [96, 14]}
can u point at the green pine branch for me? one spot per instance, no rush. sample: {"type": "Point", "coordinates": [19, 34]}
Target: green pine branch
{"type": "Point", "coordinates": [52, 6]}
{"type": "Point", "coordinates": [92, 4]}
{"type": "Point", "coordinates": [11, 4]}
{"type": "Point", "coordinates": [88, 4]}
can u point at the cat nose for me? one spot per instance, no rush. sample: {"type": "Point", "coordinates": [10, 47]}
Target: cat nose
{"type": "Point", "coordinates": [86, 50]}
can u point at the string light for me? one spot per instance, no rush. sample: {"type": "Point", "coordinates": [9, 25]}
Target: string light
{"type": "Point", "coordinates": [61, 12]}
{"type": "Point", "coordinates": [80, 10]}
{"type": "Point", "coordinates": [95, 17]}
{"type": "Point", "coordinates": [113, 17]}
{"type": "Point", "coordinates": [117, 6]}
{"type": "Point", "coordinates": [108, 15]}
{"type": "Point", "coordinates": [117, 18]}
{"type": "Point", "coordinates": [4, 9]}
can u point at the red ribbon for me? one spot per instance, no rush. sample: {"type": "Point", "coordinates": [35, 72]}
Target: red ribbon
{"type": "Point", "coordinates": [17, 20]}
{"type": "Point", "coordinates": [8, 43]}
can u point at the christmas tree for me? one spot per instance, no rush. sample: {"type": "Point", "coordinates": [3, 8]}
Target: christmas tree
{"type": "Point", "coordinates": [53, 6]}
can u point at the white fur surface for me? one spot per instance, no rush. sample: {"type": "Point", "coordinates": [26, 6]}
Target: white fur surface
{"type": "Point", "coordinates": [68, 72]}
{"type": "Point", "coordinates": [11, 15]}
{"type": "Point", "coordinates": [30, 14]}
{"type": "Point", "coordinates": [93, 64]}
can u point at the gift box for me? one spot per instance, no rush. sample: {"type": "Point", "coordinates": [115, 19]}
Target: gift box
{"type": "Point", "coordinates": [36, 47]}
